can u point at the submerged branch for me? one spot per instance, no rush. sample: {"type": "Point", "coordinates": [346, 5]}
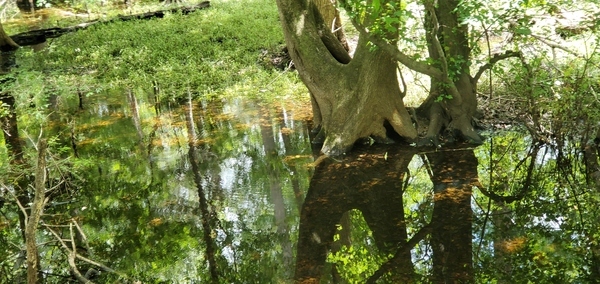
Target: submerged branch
{"type": "Point", "coordinates": [527, 183]}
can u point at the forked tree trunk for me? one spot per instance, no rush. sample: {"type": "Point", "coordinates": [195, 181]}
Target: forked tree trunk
{"type": "Point", "coordinates": [352, 97]}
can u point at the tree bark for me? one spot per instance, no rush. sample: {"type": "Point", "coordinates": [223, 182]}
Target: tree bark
{"type": "Point", "coordinates": [352, 97]}
{"type": "Point", "coordinates": [452, 100]}
{"type": "Point", "coordinates": [26, 6]}
{"type": "Point", "coordinates": [7, 44]}
{"type": "Point", "coordinates": [34, 271]}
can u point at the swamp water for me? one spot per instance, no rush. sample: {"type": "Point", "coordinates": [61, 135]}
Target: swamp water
{"type": "Point", "coordinates": [193, 191]}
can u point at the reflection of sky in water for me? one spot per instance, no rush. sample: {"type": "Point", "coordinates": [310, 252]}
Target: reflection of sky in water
{"type": "Point", "coordinates": [233, 171]}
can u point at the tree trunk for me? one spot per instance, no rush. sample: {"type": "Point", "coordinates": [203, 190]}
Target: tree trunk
{"type": "Point", "coordinates": [352, 97]}
{"type": "Point", "coordinates": [26, 6]}
{"type": "Point", "coordinates": [6, 45]}
{"type": "Point", "coordinates": [450, 107]}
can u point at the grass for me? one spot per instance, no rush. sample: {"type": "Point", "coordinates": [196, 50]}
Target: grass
{"type": "Point", "coordinates": [212, 52]}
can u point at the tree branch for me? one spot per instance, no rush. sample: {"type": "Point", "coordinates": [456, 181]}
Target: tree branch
{"type": "Point", "coordinates": [75, 254]}
{"type": "Point", "coordinates": [392, 262]}
{"type": "Point", "coordinates": [547, 42]}
{"type": "Point", "coordinates": [497, 57]}
{"type": "Point", "coordinates": [440, 50]}
{"type": "Point", "coordinates": [21, 207]}
{"type": "Point", "coordinates": [71, 259]}
{"type": "Point", "coordinates": [399, 56]}
{"type": "Point", "coordinates": [37, 208]}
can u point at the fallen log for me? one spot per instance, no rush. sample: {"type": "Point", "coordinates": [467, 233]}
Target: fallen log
{"type": "Point", "coordinates": [40, 36]}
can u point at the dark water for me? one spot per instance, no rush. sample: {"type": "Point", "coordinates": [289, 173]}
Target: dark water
{"type": "Point", "coordinates": [230, 191]}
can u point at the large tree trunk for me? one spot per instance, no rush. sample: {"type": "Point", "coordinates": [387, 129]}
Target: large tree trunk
{"type": "Point", "coordinates": [352, 97]}
{"type": "Point", "coordinates": [451, 107]}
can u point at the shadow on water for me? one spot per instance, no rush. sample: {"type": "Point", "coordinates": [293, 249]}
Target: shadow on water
{"type": "Point", "coordinates": [228, 191]}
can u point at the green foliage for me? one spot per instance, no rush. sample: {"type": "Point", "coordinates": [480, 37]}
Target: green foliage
{"type": "Point", "coordinates": [442, 98]}
{"type": "Point", "coordinates": [357, 262]}
{"type": "Point", "coordinates": [206, 53]}
{"type": "Point", "coordinates": [134, 195]}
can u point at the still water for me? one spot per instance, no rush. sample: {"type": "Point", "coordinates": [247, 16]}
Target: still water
{"type": "Point", "coordinates": [232, 191]}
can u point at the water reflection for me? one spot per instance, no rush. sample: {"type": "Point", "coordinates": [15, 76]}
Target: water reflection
{"type": "Point", "coordinates": [229, 191]}
{"type": "Point", "coordinates": [374, 180]}
{"type": "Point", "coordinates": [371, 180]}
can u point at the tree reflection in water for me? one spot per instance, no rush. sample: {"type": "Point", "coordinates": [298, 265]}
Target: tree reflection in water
{"type": "Point", "coordinates": [374, 183]}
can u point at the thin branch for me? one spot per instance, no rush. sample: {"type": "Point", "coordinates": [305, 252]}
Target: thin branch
{"type": "Point", "coordinates": [78, 256]}
{"type": "Point", "coordinates": [549, 43]}
{"type": "Point", "coordinates": [18, 204]}
{"type": "Point", "coordinates": [81, 233]}
{"type": "Point", "coordinates": [436, 42]}
{"type": "Point", "coordinates": [493, 60]}
{"type": "Point", "coordinates": [71, 260]}
{"type": "Point", "coordinates": [438, 46]}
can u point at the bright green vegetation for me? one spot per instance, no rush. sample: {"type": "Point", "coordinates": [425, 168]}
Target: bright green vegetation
{"type": "Point", "coordinates": [128, 181]}
{"type": "Point", "coordinates": [214, 52]}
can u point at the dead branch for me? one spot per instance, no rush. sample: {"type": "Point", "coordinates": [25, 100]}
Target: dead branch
{"type": "Point", "coordinates": [71, 260]}
{"type": "Point", "coordinates": [549, 43]}
{"type": "Point", "coordinates": [21, 207]}
{"type": "Point", "coordinates": [76, 255]}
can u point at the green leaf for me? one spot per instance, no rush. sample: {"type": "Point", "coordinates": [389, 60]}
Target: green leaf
{"type": "Point", "coordinates": [523, 31]}
{"type": "Point", "coordinates": [376, 6]}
